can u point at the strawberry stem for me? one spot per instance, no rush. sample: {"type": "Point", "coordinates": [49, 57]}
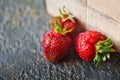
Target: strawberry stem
{"type": "Point", "coordinates": [58, 27]}
{"type": "Point", "coordinates": [65, 15]}
{"type": "Point", "coordinates": [103, 50]}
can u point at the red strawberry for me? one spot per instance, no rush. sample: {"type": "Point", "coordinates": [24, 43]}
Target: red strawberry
{"type": "Point", "coordinates": [56, 44]}
{"type": "Point", "coordinates": [93, 46]}
{"type": "Point", "coordinates": [67, 22]}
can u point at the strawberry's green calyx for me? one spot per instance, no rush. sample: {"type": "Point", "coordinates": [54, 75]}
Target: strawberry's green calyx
{"type": "Point", "coordinates": [103, 50]}
{"type": "Point", "coordinates": [59, 29]}
{"type": "Point", "coordinates": [65, 15]}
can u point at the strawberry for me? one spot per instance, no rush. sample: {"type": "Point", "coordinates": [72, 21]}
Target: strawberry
{"type": "Point", "coordinates": [93, 46]}
{"type": "Point", "coordinates": [67, 21]}
{"type": "Point", "coordinates": [56, 44]}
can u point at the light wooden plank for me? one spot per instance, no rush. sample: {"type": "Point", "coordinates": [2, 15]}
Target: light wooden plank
{"type": "Point", "coordinates": [111, 8]}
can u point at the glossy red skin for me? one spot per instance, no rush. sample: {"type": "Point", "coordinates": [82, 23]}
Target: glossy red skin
{"type": "Point", "coordinates": [56, 46]}
{"type": "Point", "coordinates": [70, 25]}
{"type": "Point", "coordinates": [85, 44]}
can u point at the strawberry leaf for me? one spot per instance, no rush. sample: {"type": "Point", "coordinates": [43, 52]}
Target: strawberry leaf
{"type": "Point", "coordinates": [65, 14]}
{"type": "Point", "coordinates": [103, 48]}
{"type": "Point", "coordinates": [58, 27]}
{"type": "Point", "coordinates": [108, 56]}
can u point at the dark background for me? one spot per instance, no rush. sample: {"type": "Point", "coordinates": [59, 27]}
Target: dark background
{"type": "Point", "coordinates": [22, 25]}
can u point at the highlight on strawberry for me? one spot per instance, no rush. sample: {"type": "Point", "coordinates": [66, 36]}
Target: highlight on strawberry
{"type": "Point", "coordinates": [66, 20]}
{"type": "Point", "coordinates": [93, 46]}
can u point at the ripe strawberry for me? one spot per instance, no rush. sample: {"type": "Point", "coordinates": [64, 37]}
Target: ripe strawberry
{"type": "Point", "coordinates": [56, 44]}
{"type": "Point", "coordinates": [93, 46]}
{"type": "Point", "coordinates": [67, 21]}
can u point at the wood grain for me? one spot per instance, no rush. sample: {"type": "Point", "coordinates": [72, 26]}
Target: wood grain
{"type": "Point", "coordinates": [108, 7]}
{"type": "Point", "coordinates": [93, 19]}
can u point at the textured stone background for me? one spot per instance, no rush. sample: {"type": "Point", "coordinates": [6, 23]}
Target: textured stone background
{"type": "Point", "coordinates": [22, 25]}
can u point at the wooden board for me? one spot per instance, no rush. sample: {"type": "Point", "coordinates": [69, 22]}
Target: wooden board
{"type": "Point", "coordinates": [92, 18]}
{"type": "Point", "coordinates": [108, 7]}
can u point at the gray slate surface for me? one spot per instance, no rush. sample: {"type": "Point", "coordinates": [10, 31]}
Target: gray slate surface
{"type": "Point", "coordinates": [22, 25]}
